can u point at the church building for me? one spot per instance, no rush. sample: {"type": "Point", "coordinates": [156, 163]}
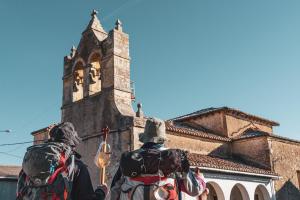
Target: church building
{"type": "Point", "coordinates": [238, 153]}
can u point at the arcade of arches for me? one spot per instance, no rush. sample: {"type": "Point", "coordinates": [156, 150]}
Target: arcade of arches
{"type": "Point", "coordinates": [238, 192]}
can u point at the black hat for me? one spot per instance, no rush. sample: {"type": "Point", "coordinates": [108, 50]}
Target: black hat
{"type": "Point", "coordinates": [65, 133]}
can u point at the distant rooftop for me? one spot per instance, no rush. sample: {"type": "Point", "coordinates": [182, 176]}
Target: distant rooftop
{"type": "Point", "coordinates": [256, 133]}
{"type": "Point", "coordinates": [45, 129]}
{"type": "Point", "coordinates": [227, 110]}
{"type": "Point", "coordinates": [7, 171]}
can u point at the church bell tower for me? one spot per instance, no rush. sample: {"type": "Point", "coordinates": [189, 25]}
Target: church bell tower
{"type": "Point", "coordinates": [97, 90]}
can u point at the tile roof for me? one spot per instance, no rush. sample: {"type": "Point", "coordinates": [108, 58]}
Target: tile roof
{"type": "Point", "coordinates": [284, 138]}
{"type": "Point", "coordinates": [193, 132]}
{"type": "Point", "coordinates": [252, 134]}
{"type": "Point", "coordinates": [255, 134]}
{"type": "Point", "coordinates": [9, 171]}
{"type": "Point", "coordinates": [225, 164]}
{"type": "Point", "coordinates": [233, 111]}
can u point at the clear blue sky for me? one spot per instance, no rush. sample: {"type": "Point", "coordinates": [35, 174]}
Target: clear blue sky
{"type": "Point", "coordinates": [186, 55]}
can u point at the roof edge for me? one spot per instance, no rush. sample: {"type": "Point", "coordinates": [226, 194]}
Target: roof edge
{"type": "Point", "coordinates": [269, 136]}
{"type": "Point", "coordinates": [47, 128]}
{"type": "Point", "coordinates": [238, 172]}
{"type": "Point", "coordinates": [226, 109]}
{"type": "Point", "coordinates": [187, 131]}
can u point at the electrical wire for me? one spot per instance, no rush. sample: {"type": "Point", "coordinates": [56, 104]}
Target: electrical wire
{"type": "Point", "coordinates": [9, 154]}
{"type": "Point", "coordinates": [27, 142]}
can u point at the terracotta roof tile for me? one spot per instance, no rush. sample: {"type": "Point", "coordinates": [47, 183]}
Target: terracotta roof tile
{"type": "Point", "coordinates": [284, 138]}
{"type": "Point", "coordinates": [9, 171]}
{"type": "Point", "coordinates": [194, 132]}
{"type": "Point", "coordinates": [263, 134]}
{"type": "Point", "coordinates": [225, 164]}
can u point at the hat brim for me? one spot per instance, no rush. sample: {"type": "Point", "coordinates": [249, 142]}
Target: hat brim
{"type": "Point", "coordinates": [143, 137]}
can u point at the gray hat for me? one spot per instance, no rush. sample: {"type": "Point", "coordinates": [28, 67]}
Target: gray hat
{"type": "Point", "coordinates": [65, 132]}
{"type": "Point", "coordinates": [155, 131]}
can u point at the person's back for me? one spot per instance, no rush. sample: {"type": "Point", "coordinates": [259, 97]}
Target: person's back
{"type": "Point", "coordinates": [53, 170]}
{"type": "Point", "coordinates": [142, 183]}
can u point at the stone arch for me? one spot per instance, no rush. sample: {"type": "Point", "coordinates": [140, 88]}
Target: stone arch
{"type": "Point", "coordinates": [239, 192]}
{"type": "Point", "coordinates": [215, 191]}
{"type": "Point", "coordinates": [78, 80]}
{"type": "Point", "coordinates": [94, 70]}
{"type": "Point", "coordinates": [78, 61]}
{"type": "Point", "coordinates": [261, 193]}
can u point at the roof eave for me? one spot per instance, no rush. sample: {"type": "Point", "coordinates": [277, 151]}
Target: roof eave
{"type": "Point", "coordinates": [175, 129]}
{"type": "Point", "coordinates": [275, 177]}
{"type": "Point", "coordinates": [9, 177]}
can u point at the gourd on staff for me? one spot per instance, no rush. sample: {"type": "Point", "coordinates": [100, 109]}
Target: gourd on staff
{"type": "Point", "coordinates": [102, 158]}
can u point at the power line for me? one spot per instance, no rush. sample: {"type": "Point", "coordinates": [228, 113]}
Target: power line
{"type": "Point", "coordinates": [27, 142]}
{"type": "Point", "coordinates": [9, 154]}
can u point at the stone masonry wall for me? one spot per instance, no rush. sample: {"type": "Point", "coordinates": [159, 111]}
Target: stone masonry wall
{"type": "Point", "coordinates": [286, 162]}
{"type": "Point", "coordinates": [197, 145]}
{"type": "Point", "coordinates": [236, 126]}
{"type": "Point", "coordinates": [214, 122]}
{"type": "Point", "coordinates": [253, 149]}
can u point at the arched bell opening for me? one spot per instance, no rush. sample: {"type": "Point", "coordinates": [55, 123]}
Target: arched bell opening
{"type": "Point", "coordinates": [94, 74]}
{"type": "Point", "coordinates": [78, 81]}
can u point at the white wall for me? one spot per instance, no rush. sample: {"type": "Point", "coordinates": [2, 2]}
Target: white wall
{"type": "Point", "coordinates": [223, 188]}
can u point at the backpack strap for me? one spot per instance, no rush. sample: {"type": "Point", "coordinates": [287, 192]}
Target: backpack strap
{"type": "Point", "coordinates": [63, 167]}
{"type": "Point", "coordinates": [146, 193]}
{"type": "Point", "coordinates": [71, 167]}
{"type": "Point", "coordinates": [178, 188]}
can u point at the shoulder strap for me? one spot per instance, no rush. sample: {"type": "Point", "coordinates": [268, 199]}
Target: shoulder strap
{"type": "Point", "coordinates": [178, 188]}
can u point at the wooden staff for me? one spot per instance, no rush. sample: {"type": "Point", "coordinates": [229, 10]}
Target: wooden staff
{"type": "Point", "coordinates": [102, 170]}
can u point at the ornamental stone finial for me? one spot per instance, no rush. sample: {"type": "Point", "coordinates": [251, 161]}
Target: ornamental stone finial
{"type": "Point", "coordinates": [73, 51]}
{"type": "Point", "coordinates": [118, 25]}
{"type": "Point", "coordinates": [139, 112]}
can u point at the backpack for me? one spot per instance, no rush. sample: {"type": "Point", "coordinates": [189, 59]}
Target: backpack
{"type": "Point", "coordinates": [152, 161]}
{"type": "Point", "coordinates": [47, 172]}
{"type": "Point", "coordinates": [151, 174]}
{"type": "Point", "coordinates": [150, 188]}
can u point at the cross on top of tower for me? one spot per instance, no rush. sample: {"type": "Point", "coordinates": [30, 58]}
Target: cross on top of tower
{"type": "Point", "coordinates": [94, 23]}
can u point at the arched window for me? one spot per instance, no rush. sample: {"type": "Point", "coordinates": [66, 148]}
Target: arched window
{"type": "Point", "coordinates": [94, 74]}
{"type": "Point", "coordinates": [261, 193]}
{"type": "Point", "coordinates": [78, 82]}
{"type": "Point", "coordinates": [239, 192]}
{"type": "Point", "coordinates": [215, 191]}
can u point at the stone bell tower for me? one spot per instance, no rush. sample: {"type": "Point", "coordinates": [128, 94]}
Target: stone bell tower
{"type": "Point", "coordinates": [97, 92]}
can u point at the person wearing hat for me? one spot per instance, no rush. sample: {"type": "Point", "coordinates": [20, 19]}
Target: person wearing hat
{"type": "Point", "coordinates": [62, 142]}
{"type": "Point", "coordinates": [82, 185]}
{"type": "Point", "coordinates": [186, 181]}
